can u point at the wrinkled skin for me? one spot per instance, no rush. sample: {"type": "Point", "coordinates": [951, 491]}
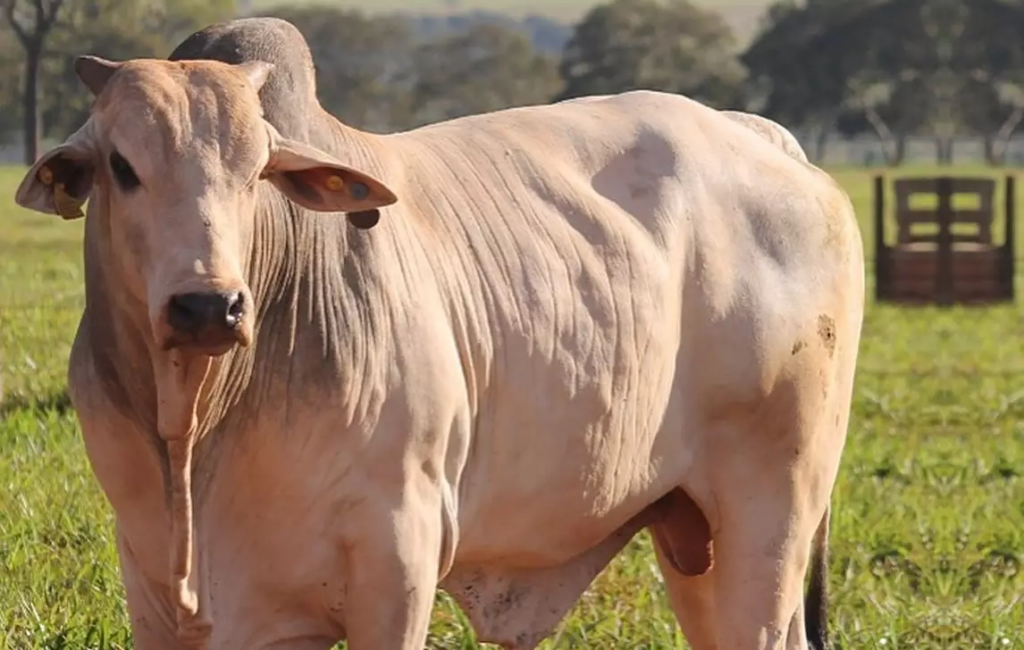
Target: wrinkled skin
{"type": "Point", "coordinates": [571, 323]}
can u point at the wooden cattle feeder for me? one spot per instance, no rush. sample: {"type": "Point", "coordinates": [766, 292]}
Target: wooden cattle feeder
{"type": "Point", "coordinates": [944, 254]}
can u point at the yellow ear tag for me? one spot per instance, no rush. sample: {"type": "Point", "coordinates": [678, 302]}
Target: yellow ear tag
{"type": "Point", "coordinates": [67, 206]}
{"type": "Point", "coordinates": [334, 183]}
{"type": "Point", "coordinates": [44, 175]}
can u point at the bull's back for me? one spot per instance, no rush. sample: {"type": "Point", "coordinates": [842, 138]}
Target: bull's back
{"type": "Point", "coordinates": [563, 294]}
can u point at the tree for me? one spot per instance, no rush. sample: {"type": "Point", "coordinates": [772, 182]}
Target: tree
{"type": "Point", "coordinates": [853, 64]}
{"type": "Point", "coordinates": [668, 45]}
{"type": "Point", "coordinates": [895, 80]}
{"type": "Point", "coordinates": [362, 64]}
{"type": "Point", "coordinates": [11, 63]}
{"type": "Point", "coordinates": [485, 68]}
{"type": "Point", "coordinates": [374, 74]}
{"type": "Point", "coordinates": [113, 29]}
{"type": "Point", "coordinates": [547, 35]}
{"type": "Point", "coordinates": [31, 21]}
{"type": "Point", "coordinates": [989, 62]}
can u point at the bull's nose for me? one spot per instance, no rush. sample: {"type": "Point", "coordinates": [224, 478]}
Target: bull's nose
{"type": "Point", "coordinates": [192, 312]}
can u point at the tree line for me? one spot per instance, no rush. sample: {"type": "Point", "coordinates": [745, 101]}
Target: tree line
{"type": "Point", "coordinates": [894, 68]}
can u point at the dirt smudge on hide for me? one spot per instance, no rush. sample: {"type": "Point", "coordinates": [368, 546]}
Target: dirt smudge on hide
{"type": "Point", "coordinates": [827, 332]}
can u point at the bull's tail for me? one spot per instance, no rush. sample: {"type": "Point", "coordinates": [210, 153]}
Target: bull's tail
{"type": "Point", "coordinates": [816, 600]}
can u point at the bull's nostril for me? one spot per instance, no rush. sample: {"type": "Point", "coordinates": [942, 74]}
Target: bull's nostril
{"type": "Point", "coordinates": [183, 313]}
{"type": "Point", "coordinates": [192, 312]}
{"type": "Point", "coordinates": [236, 308]}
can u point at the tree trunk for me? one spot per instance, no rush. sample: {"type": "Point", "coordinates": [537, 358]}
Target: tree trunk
{"type": "Point", "coordinates": [820, 144]}
{"type": "Point", "coordinates": [890, 146]}
{"type": "Point", "coordinates": [944, 151]}
{"type": "Point", "coordinates": [899, 149]}
{"type": "Point", "coordinates": [30, 100]}
{"type": "Point", "coordinates": [1001, 139]}
{"type": "Point", "coordinates": [990, 151]}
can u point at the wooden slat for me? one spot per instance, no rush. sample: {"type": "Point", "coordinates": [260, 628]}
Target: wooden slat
{"type": "Point", "coordinates": [982, 189]}
{"type": "Point", "coordinates": [974, 273]}
{"type": "Point", "coordinates": [960, 185]}
{"type": "Point", "coordinates": [982, 186]}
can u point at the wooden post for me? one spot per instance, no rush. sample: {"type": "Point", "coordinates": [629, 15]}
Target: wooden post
{"type": "Point", "coordinates": [881, 251]}
{"type": "Point", "coordinates": [944, 243]}
{"type": "Point", "coordinates": [1010, 245]}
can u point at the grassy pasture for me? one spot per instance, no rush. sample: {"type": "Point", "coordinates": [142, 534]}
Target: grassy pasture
{"type": "Point", "coordinates": [928, 527]}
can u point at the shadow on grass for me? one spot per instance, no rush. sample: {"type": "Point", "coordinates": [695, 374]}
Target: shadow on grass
{"type": "Point", "coordinates": [55, 401]}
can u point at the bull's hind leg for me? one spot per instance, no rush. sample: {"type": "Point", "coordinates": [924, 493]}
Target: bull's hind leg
{"type": "Point", "coordinates": [773, 476]}
{"type": "Point", "coordinates": [735, 571]}
{"type": "Point", "coordinates": [763, 549]}
{"type": "Point", "coordinates": [692, 597]}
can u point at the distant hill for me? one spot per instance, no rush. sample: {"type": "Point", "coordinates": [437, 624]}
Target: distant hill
{"type": "Point", "coordinates": [547, 34]}
{"type": "Point", "coordinates": [742, 15]}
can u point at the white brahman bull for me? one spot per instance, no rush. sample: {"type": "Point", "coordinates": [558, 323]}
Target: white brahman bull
{"type": "Point", "coordinates": [572, 322]}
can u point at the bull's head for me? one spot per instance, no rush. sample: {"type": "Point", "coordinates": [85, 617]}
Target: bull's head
{"type": "Point", "coordinates": [171, 156]}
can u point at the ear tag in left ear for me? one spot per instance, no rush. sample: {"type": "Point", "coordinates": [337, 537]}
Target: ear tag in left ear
{"type": "Point", "coordinates": [45, 176]}
{"type": "Point", "coordinates": [67, 206]}
{"type": "Point", "coordinates": [334, 183]}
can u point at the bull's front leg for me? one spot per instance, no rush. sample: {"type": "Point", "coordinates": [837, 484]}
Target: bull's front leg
{"type": "Point", "coordinates": [392, 574]}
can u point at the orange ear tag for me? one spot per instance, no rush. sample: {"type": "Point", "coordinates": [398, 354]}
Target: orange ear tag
{"type": "Point", "coordinates": [67, 206]}
{"type": "Point", "coordinates": [334, 183]}
{"type": "Point", "coordinates": [45, 176]}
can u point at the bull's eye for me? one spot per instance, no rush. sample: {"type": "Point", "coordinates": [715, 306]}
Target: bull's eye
{"type": "Point", "coordinates": [123, 172]}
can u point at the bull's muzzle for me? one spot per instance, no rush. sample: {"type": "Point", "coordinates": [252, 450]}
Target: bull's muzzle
{"type": "Point", "coordinates": [209, 322]}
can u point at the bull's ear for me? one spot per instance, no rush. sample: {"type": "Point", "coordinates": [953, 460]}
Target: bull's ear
{"type": "Point", "coordinates": [61, 180]}
{"type": "Point", "coordinates": [315, 180]}
{"type": "Point", "coordinates": [95, 72]}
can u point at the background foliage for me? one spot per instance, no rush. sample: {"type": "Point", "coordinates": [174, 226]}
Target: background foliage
{"type": "Point", "coordinates": [891, 68]}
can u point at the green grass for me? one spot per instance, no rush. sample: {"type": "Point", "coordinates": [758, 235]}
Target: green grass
{"type": "Point", "coordinates": [928, 529]}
